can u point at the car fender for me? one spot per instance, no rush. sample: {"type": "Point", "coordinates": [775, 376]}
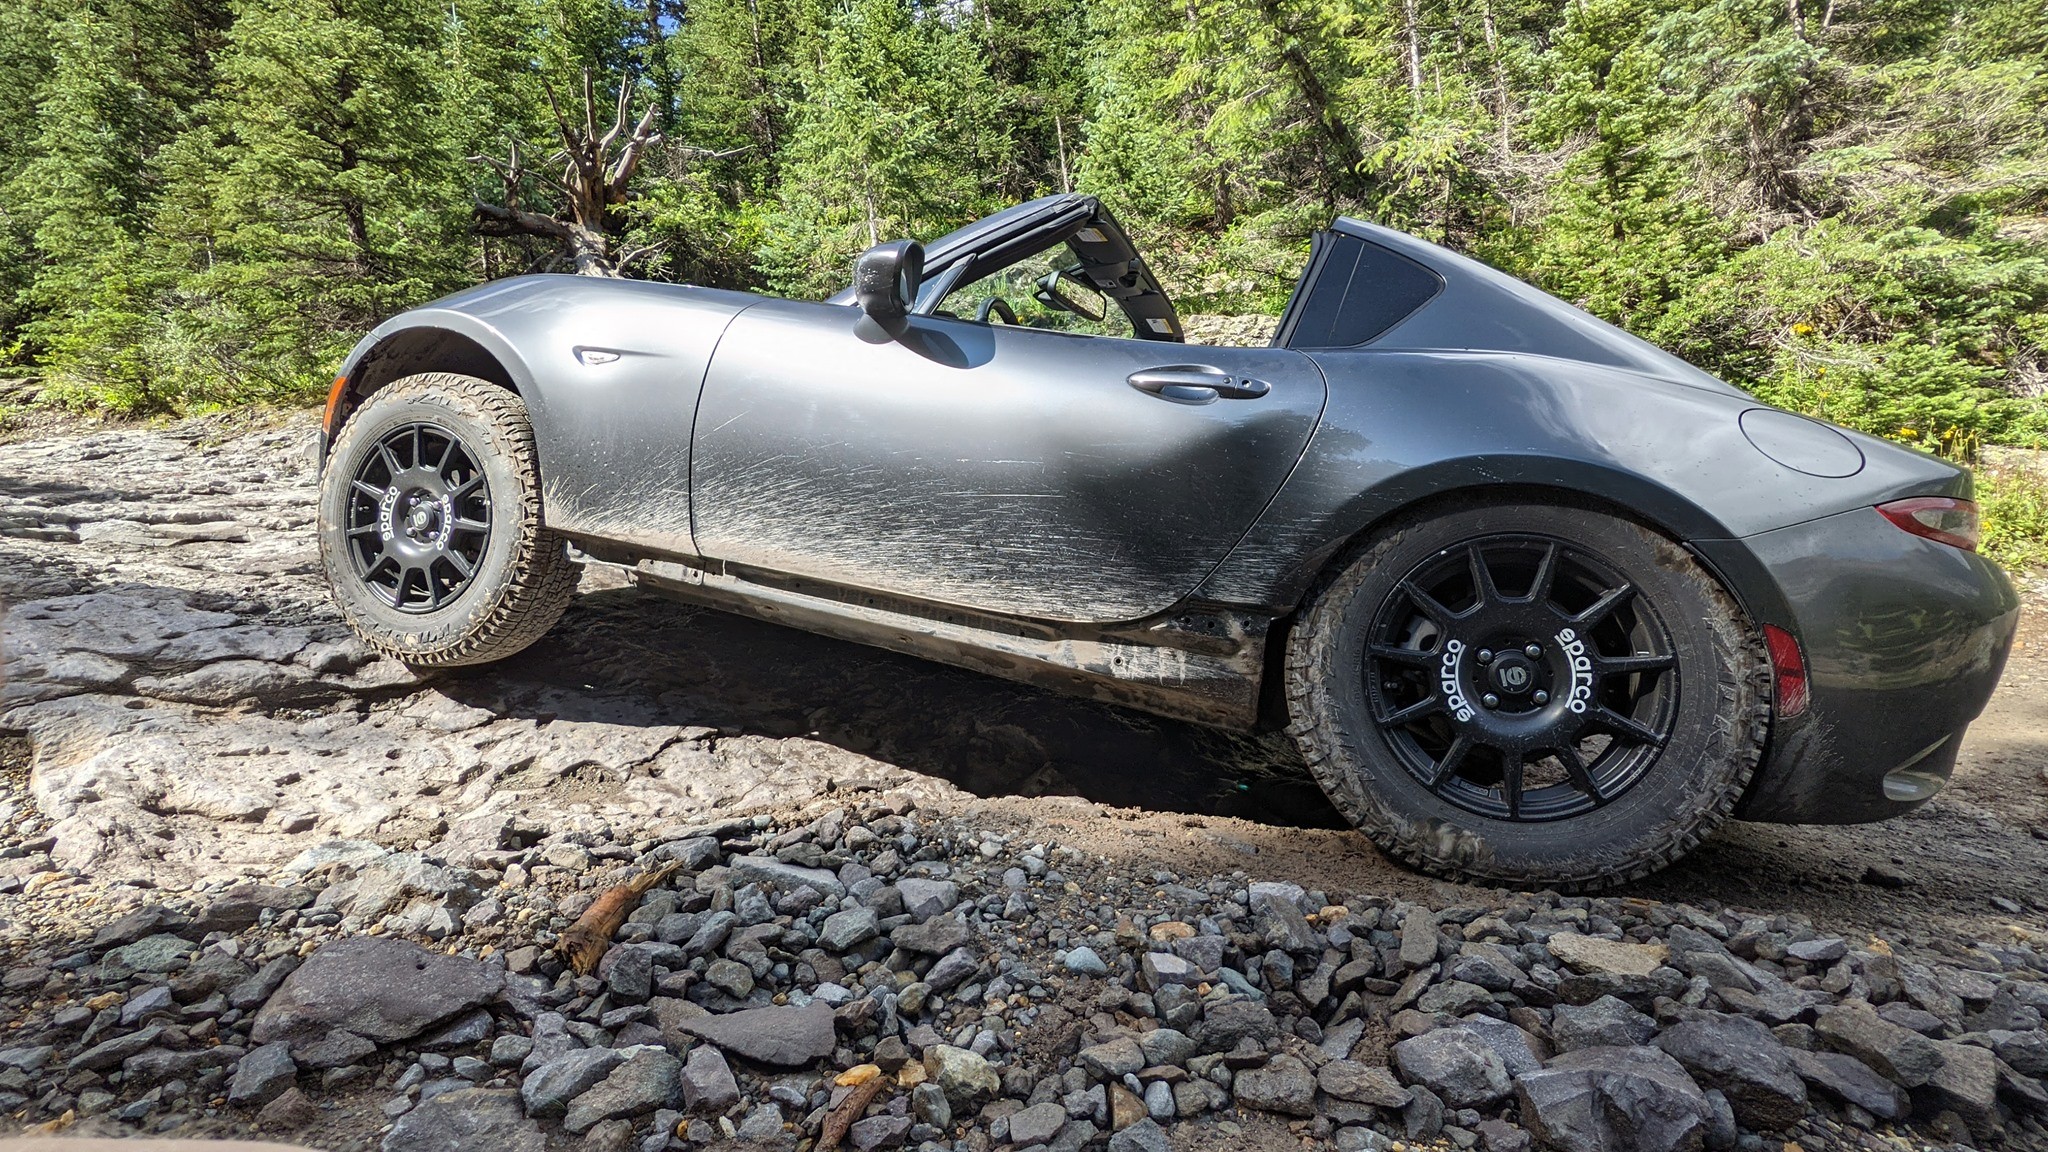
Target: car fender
{"type": "Point", "coordinates": [1405, 427]}
{"type": "Point", "coordinates": [610, 372]}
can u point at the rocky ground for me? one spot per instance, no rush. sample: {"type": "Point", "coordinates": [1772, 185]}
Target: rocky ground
{"type": "Point", "coordinates": [253, 878]}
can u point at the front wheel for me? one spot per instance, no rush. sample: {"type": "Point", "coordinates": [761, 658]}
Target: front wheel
{"type": "Point", "coordinates": [430, 526]}
{"type": "Point", "coordinates": [1528, 694]}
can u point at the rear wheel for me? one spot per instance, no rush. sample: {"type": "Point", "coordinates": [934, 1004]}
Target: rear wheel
{"type": "Point", "coordinates": [1528, 694]}
{"type": "Point", "coordinates": [430, 525]}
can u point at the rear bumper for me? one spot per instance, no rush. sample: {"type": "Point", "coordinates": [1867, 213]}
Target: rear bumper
{"type": "Point", "coordinates": [1904, 642]}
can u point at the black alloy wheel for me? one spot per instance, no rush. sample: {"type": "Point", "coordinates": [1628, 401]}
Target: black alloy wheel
{"type": "Point", "coordinates": [1510, 691]}
{"type": "Point", "coordinates": [431, 531]}
{"type": "Point", "coordinates": [1520, 677]}
{"type": "Point", "coordinates": [419, 518]}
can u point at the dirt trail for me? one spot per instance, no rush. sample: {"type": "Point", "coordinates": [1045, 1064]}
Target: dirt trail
{"type": "Point", "coordinates": [220, 514]}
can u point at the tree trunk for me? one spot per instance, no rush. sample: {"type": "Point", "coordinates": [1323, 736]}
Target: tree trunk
{"type": "Point", "coordinates": [1409, 23]}
{"type": "Point", "coordinates": [596, 170]}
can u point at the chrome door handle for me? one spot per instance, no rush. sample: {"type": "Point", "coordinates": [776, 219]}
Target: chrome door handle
{"type": "Point", "coordinates": [1196, 384]}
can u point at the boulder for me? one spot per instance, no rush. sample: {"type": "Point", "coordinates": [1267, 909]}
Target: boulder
{"type": "Point", "coordinates": [965, 1078]}
{"type": "Point", "coordinates": [848, 929]}
{"type": "Point", "coordinates": [1967, 1084]}
{"type": "Point", "coordinates": [708, 1084]}
{"type": "Point", "coordinates": [263, 1075]}
{"type": "Point", "coordinates": [934, 937]}
{"type": "Point", "coordinates": [649, 1079]}
{"type": "Point", "coordinates": [1224, 1025]}
{"type": "Point", "coordinates": [465, 1120]}
{"type": "Point", "coordinates": [1159, 969]}
{"type": "Point", "coordinates": [1283, 1084]}
{"type": "Point", "coordinates": [875, 1132]}
{"type": "Point", "coordinates": [1901, 1055]}
{"type": "Point", "coordinates": [548, 1089]}
{"type": "Point", "coordinates": [1744, 1060]}
{"type": "Point", "coordinates": [924, 899]}
{"type": "Point", "coordinates": [953, 969]}
{"type": "Point", "coordinates": [782, 877]}
{"type": "Point", "coordinates": [109, 1053]}
{"type": "Point", "coordinates": [1037, 1124]}
{"type": "Point", "coordinates": [242, 905]}
{"type": "Point", "coordinates": [780, 1036]}
{"type": "Point", "coordinates": [1113, 1059]}
{"type": "Point", "coordinates": [1418, 939]}
{"type": "Point", "coordinates": [379, 988]}
{"type": "Point", "coordinates": [1851, 1081]}
{"type": "Point", "coordinates": [1085, 962]}
{"type": "Point", "coordinates": [1614, 1100]}
{"type": "Point", "coordinates": [1456, 1064]}
{"type": "Point", "coordinates": [1605, 1023]}
{"type": "Point", "coordinates": [1362, 1084]}
{"type": "Point", "coordinates": [1144, 1136]}
{"type": "Point", "coordinates": [1517, 1049]}
{"type": "Point", "coordinates": [1276, 911]}
{"type": "Point", "coordinates": [1596, 956]}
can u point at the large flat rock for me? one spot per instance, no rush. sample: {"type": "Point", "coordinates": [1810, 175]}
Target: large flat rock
{"type": "Point", "coordinates": [378, 988]}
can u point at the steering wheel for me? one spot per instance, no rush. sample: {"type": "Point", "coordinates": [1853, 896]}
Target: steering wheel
{"type": "Point", "coordinates": [998, 307]}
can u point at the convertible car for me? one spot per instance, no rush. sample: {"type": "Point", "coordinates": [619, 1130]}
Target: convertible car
{"type": "Point", "coordinates": [1540, 603]}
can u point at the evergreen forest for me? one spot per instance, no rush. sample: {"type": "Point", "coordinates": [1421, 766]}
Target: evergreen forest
{"type": "Point", "coordinates": [1841, 205]}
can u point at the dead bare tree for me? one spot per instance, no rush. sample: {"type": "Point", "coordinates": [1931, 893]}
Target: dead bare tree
{"type": "Point", "coordinates": [595, 171]}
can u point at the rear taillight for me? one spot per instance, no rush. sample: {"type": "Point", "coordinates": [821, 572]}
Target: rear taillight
{"type": "Point", "coordinates": [1788, 671]}
{"type": "Point", "coordinates": [1944, 519]}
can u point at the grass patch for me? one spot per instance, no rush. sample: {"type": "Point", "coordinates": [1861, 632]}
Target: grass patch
{"type": "Point", "coordinates": [2012, 496]}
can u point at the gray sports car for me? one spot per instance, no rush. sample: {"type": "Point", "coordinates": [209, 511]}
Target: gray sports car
{"type": "Point", "coordinates": [1540, 603]}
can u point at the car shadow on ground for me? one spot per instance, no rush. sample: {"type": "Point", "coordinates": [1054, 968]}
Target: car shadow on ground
{"type": "Point", "coordinates": [624, 655]}
{"type": "Point", "coordinates": [622, 652]}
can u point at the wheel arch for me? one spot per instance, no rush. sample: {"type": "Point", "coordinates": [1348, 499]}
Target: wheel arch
{"type": "Point", "coordinates": [420, 341]}
{"type": "Point", "coordinates": [1627, 496]}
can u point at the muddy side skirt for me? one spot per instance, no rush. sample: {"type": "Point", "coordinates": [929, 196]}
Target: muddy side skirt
{"type": "Point", "coordinates": [1201, 665]}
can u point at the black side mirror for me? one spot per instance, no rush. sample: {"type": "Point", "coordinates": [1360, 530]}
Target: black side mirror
{"type": "Point", "coordinates": [885, 281]}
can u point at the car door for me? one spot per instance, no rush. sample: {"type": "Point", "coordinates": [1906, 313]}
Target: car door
{"type": "Point", "coordinates": [1005, 469]}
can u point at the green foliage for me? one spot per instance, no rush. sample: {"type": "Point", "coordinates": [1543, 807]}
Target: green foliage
{"type": "Point", "coordinates": [327, 203]}
{"type": "Point", "coordinates": [898, 133]}
{"type": "Point", "coordinates": [2013, 500]}
{"type": "Point", "coordinates": [1841, 207]}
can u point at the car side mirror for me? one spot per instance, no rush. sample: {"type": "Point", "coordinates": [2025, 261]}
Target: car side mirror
{"type": "Point", "coordinates": [885, 282]}
{"type": "Point", "coordinates": [1064, 291]}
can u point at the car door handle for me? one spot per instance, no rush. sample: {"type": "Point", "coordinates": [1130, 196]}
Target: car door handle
{"type": "Point", "coordinates": [1196, 384]}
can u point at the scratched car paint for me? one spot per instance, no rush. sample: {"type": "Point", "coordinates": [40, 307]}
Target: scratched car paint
{"type": "Point", "coordinates": [995, 450]}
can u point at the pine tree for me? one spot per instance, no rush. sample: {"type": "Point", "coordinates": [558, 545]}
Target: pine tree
{"type": "Point", "coordinates": [896, 136]}
{"type": "Point", "coordinates": [25, 60]}
{"type": "Point", "coordinates": [1226, 120]}
{"type": "Point", "coordinates": [1037, 56]}
{"type": "Point", "coordinates": [1620, 236]}
{"type": "Point", "coordinates": [334, 188]}
{"type": "Point", "coordinates": [124, 78]}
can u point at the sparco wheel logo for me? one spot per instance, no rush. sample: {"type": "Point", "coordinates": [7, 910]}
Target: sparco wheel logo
{"type": "Point", "coordinates": [1454, 696]}
{"type": "Point", "coordinates": [385, 510]}
{"type": "Point", "coordinates": [1582, 670]}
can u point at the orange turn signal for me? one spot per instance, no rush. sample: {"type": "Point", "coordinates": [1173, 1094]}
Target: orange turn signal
{"type": "Point", "coordinates": [334, 395]}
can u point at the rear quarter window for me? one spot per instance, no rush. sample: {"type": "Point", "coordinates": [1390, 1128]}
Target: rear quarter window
{"type": "Point", "coordinates": [1355, 290]}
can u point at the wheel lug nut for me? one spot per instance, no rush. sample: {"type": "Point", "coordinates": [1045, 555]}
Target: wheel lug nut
{"type": "Point", "coordinates": [1490, 700]}
{"type": "Point", "coordinates": [1540, 696]}
{"type": "Point", "coordinates": [1533, 651]}
{"type": "Point", "coordinates": [1486, 655]}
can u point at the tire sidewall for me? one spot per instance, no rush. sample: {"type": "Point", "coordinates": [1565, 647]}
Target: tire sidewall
{"type": "Point", "coordinates": [1688, 785]}
{"type": "Point", "coordinates": [497, 449]}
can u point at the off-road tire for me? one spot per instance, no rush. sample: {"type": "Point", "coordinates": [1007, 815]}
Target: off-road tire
{"type": "Point", "coordinates": [1723, 713]}
{"type": "Point", "coordinates": [524, 579]}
